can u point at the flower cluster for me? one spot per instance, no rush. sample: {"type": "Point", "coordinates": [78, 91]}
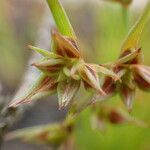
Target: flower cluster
{"type": "Point", "coordinates": [131, 71]}
{"type": "Point", "coordinates": [64, 70]}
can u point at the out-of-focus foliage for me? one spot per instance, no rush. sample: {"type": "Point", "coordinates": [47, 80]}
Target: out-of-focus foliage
{"type": "Point", "coordinates": [109, 33]}
{"type": "Point", "coordinates": [10, 67]}
{"type": "Point", "coordinates": [18, 26]}
{"type": "Point", "coordinates": [104, 29]}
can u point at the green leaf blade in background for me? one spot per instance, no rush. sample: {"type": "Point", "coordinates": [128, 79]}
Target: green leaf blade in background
{"type": "Point", "coordinates": [133, 38]}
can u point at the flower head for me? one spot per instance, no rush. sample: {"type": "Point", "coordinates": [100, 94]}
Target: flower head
{"type": "Point", "coordinates": [64, 69]}
{"type": "Point", "coordinates": [129, 66]}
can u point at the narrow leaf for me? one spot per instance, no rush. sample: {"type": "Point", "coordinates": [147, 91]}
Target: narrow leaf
{"type": "Point", "coordinates": [133, 38]}
{"type": "Point", "coordinates": [44, 52]}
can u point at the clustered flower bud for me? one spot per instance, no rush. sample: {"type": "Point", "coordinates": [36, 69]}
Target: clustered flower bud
{"type": "Point", "coordinates": [64, 69]}
{"type": "Point", "coordinates": [131, 72]}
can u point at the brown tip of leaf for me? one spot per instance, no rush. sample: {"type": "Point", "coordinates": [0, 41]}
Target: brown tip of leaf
{"type": "Point", "coordinates": [35, 64]}
{"type": "Point", "coordinates": [16, 104]}
{"type": "Point", "coordinates": [54, 32]}
{"type": "Point", "coordinates": [102, 92]}
{"type": "Point", "coordinates": [29, 46]}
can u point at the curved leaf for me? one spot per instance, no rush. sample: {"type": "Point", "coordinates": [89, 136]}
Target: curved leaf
{"type": "Point", "coordinates": [133, 38]}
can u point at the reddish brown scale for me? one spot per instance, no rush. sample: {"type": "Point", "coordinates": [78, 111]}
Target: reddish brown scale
{"type": "Point", "coordinates": [136, 60]}
{"type": "Point", "coordinates": [53, 68]}
{"type": "Point", "coordinates": [60, 52]}
{"type": "Point", "coordinates": [43, 136]}
{"type": "Point", "coordinates": [66, 52]}
{"type": "Point", "coordinates": [69, 128]}
{"type": "Point", "coordinates": [69, 54]}
{"type": "Point", "coordinates": [73, 43]}
{"type": "Point", "coordinates": [92, 71]}
{"type": "Point", "coordinates": [109, 86]}
{"type": "Point", "coordinates": [142, 83]}
{"type": "Point", "coordinates": [116, 118]}
{"type": "Point", "coordinates": [125, 90]}
{"type": "Point", "coordinates": [125, 53]}
{"type": "Point", "coordinates": [86, 85]}
{"type": "Point", "coordinates": [117, 69]}
{"type": "Point", "coordinates": [46, 85]}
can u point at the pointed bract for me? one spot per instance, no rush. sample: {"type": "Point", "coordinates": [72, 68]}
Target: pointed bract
{"type": "Point", "coordinates": [105, 71]}
{"type": "Point", "coordinates": [129, 58]}
{"type": "Point", "coordinates": [44, 86]}
{"type": "Point", "coordinates": [141, 76]}
{"type": "Point", "coordinates": [89, 75]}
{"type": "Point", "coordinates": [44, 52]}
{"type": "Point", "coordinates": [66, 91]}
{"type": "Point", "coordinates": [64, 46]}
{"type": "Point", "coordinates": [127, 94]}
{"type": "Point", "coordinates": [50, 67]}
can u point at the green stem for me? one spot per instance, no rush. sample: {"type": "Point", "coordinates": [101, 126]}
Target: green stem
{"type": "Point", "coordinates": [125, 17]}
{"type": "Point", "coordinates": [61, 19]}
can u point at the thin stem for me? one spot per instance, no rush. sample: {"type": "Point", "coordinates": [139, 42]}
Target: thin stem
{"type": "Point", "coordinates": [125, 17]}
{"type": "Point", "coordinates": [61, 19]}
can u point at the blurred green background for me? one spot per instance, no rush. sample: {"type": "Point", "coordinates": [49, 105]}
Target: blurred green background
{"type": "Point", "coordinates": [101, 30]}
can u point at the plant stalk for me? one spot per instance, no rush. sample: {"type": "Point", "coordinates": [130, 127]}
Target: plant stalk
{"type": "Point", "coordinates": [125, 18]}
{"type": "Point", "coordinates": [61, 19]}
